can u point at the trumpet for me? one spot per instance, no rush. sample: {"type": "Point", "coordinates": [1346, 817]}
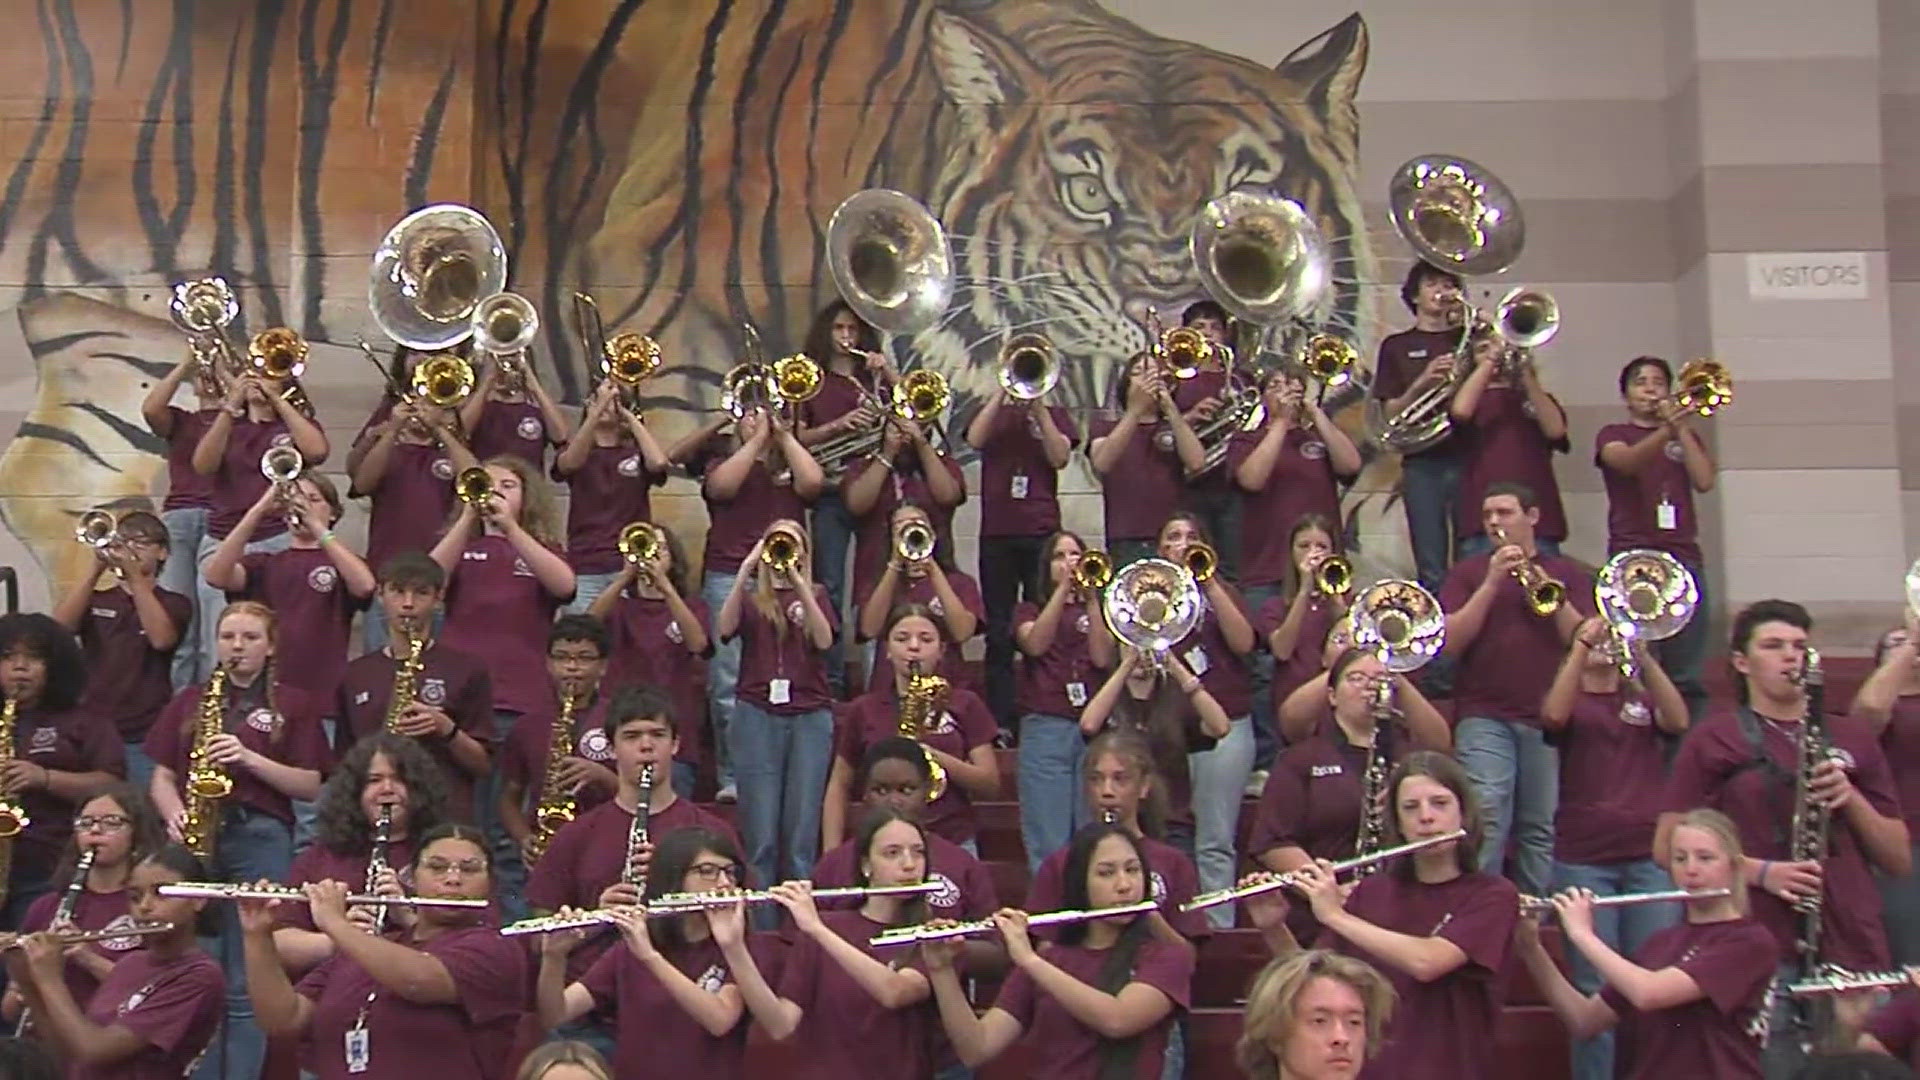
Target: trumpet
{"type": "Point", "coordinates": [921, 396]}
{"type": "Point", "coordinates": [1704, 387]}
{"type": "Point", "coordinates": [640, 542]}
{"type": "Point", "coordinates": [1329, 358]}
{"type": "Point", "coordinates": [1541, 905]}
{"type": "Point", "coordinates": [687, 903]}
{"type": "Point", "coordinates": [1029, 367]}
{"type": "Point", "coordinates": [781, 551]}
{"type": "Point", "coordinates": [278, 354]}
{"type": "Point", "coordinates": [98, 529]}
{"type": "Point", "coordinates": [1201, 561]}
{"type": "Point", "coordinates": [1282, 881]}
{"type": "Point", "coordinates": [914, 935]}
{"type": "Point", "coordinates": [1180, 351]}
{"type": "Point", "coordinates": [282, 465]}
{"type": "Point", "coordinates": [1334, 576]}
{"type": "Point", "coordinates": [796, 378]}
{"type": "Point", "coordinates": [220, 890]}
{"type": "Point", "coordinates": [1545, 593]}
{"type": "Point", "coordinates": [443, 379]}
{"type": "Point", "coordinates": [1093, 571]}
{"type": "Point", "coordinates": [474, 487]}
{"type": "Point", "coordinates": [78, 937]}
{"type": "Point", "coordinates": [914, 541]}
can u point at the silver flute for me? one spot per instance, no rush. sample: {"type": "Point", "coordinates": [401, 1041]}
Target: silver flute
{"type": "Point", "coordinates": [1291, 877]}
{"type": "Point", "coordinates": [684, 903]}
{"type": "Point", "coordinates": [75, 937]}
{"type": "Point", "coordinates": [1540, 905]}
{"type": "Point", "coordinates": [913, 935]}
{"type": "Point", "coordinates": [219, 890]}
{"type": "Point", "coordinates": [1838, 980]}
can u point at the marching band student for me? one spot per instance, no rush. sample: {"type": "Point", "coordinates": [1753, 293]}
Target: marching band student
{"type": "Point", "coordinates": [255, 416]}
{"type": "Point", "coordinates": [189, 495]}
{"type": "Point", "coordinates": [270, 742]}
{"type": "Point", "coordinates": [894, 776]}
{"type": "Point", "coordinates": [1612, 737]}
{"type": "Point", "coordinates": [934, 584]}
{"type": "Point", "coordinates": [396, 402]}
{"type": "Point", "coordinates": [381, 773]}
{"type": "Point", "coordinates": [1653, 464]}
{"type": "Point", "coordinates": [1889, 702]}
{"type": "Point", "coordinates": [1692, 991]}
{"type": "Point", "coordinates": [1300, 613]}
{"type": "Point", "coordinates": [119, 826]}
{"type": "Point", "coordinates": [757, 477]}
{"type": "Point", "coordinates": [511, 414]}
{"type": "Point", "coordinates": [1141, 459]}
{"type": "Point", "coordinates": [1511, 432]}
{"type": "Point", "coordinates": [1315, 1015]}
{"type": "Point", "coordinates": [608, 466]}
{"type": "Point", "coordinates": [1305, 711]}
{"type": "Point", "coordinates": [1411, 363]}
{"type": "Point", "coordinates": [909, 469]}
{"type": "Point", "coordinates": [1287, 470]}
{"type": "Point", "coordinates": [959, 737]}
{"type": "Point", "coordinates": [564, 1060]}
{"type": "Point", "coordinates": [1023, 445]}
{"type": "Point", "coordinates": [1211, 493]}
{"type": "Point", "coordinates": [1216, 651]}
{"type": "Point", "coordinates": [131, 629]}
{"type": "Point", "coordinates": [1434, 923]}
{"type": "Point", "coordinates": [1056, 677]}
{"type": "Point", "coordinates": [1507, 654]}
{"type": "Point", "coordinates": [314, 585]}
{"type": "Point", "coordinates": [671, 989]}
{"type": "Point", "coordinates": [444, 994]}
{"type": "Point", "coordinates": [1312, 805]}
{"type": "Point", "coordinates": [1745, 765]}
{"type": "Point", "coordinates": [782, 730]}
{"type": "Point", "coordinates": [649, 603]}
{"type": "Point", "coordinates": [156, 1010]}
{"type": "Point", "coordinates": [61, 757]}
{"type": "Point", "coordinates": [405, 465]}
{"type": "Point", "coordinates": [856, 1009]}
{"type": "Point", "coordinates": [577, 664]}
{"type": "Point", "coordinates": [450, 714]}
{"type": "Point", "coordinates": [1168, 708]}
{"type": "Point", "coordinates": [1098, 1001]}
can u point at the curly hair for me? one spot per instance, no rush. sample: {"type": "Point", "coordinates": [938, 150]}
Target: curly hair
{"type": "Point", "coordinates": [41, 637]}
{"type": "Point", "coordinates": [340, 825]}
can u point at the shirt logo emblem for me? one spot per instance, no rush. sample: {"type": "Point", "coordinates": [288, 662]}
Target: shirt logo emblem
{"type": "Point", "coordinates": [946, 894]}
{"type": "Point", "coordinates": [1635, 713]}
{"type": "Point", "coordinates": [1080, 623]}
{"type": "Point", "coordinates": [1676, 452]}
{"type": "Point", "coordinates": [433, 691]}
{"type": "Point", "coordinates": [44, 740]}
{"type": "Point", "coordinates": [283, 439]}
{"type": "Point", "coordinates": [1313, 451]}
{"type": "Point", "coordinates": [322, 579]}
{"type": "Point", "coordinates": [520, 567]}
{"type": "Point", "coordinates": [263, 719]}
{"type": "Point", "coordinates": [121, 944]}
{"type": "Point", "coordinates": [442, 469]}
{"type": "Point", "coordinates": [593, 745]}
{"type": "Point", "coordinates": [1158, 884]}
{"type": "Point", "coordinates": [934, 605]}
{"type": "Point", "coordinates": [630, 466]}
{"type": "Point", "coordinates": [796, 612]}
{"type": "Point", "coordinates": [1319, 771]}
{"type": "Point", "coordinates": [712, 979]}
{"type": "Point", "coordinates": [530, 428]}
{"type": "Point", "coordinates": [674, 634]}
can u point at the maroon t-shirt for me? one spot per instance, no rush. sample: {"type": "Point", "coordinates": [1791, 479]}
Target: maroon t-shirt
{"type": "Point", "coordinates": [523, 760]}
{"type": "Point", "coordinates": [1715, 768]}
{"type": "Point", "coordinates": [771, 656]}
{"type": "Point", "coordinates": [1900, 742]}
{"type": "Point", "coordinates": [650, 649]}
{"type": "Point", "coordinates": [873, 530]}
{"type": "Point", "coordinates": [173, 1005]}
{"type": "Point", "coordinates": [735, 524]}
{"type": "Point", "coordinates": [1019, 487]}
{"type": "Point", "coordinates": [131, 680]}
{"type": "Point", "coordinates": [186, 488]}
{"type": "Point", "coordinates": [1060, 681]}
{"type": "Point", "coordinates": [657, 1036]}
{"type": "Point", "coordinates": [1401, 358]}
{"type": "Point", "coordinates": [318, 862]}
{"type": "Point", "coordinates": [497, 610]}
{"type": "Point", "coordinates": [1633, 502]}
{"type": "Point", "coordinates": [1505, 673]}
{"type": "Point", "coordinates": [92, 911]}
{"type": "Point", "coordinates": [1732, 964]}
{"type": "Point", "coordinates": [608, 492]}
{"type": "Point", "coordinates": [845, 1032]}
{"type": "Point", "coordinates": [411, 504]}
{"type": "Point", "coordinates": [966, 885]}
{"type": "Point", "coordinates": [63, 742]}
{"type": "Point", "coordinates": [1444, 1027]}
{"type": "Point", "coordinates": [1059, 1046]}
{"type": "Point", "coordinates": [962, 727]}
{"type": "Point", "coordinates": [1306, 662]}
{"type": "Point", "coordinates": [1896, 1026]}
{"type": "Point", "coordinates": [1504, 442]}
{"type": "Point", "coordinates": [1171, 877]}
{"type": "Point", "coordinates": [839, 395]}
{"type": "Point", "coordinates": [1302, 483]}
{"type": "Point", "coordinates": [1168, 722]}
{"type": "Point", "coordinates": [286, 729]}
{"type": "Point", "coordinates": [1312, 801]}
{"type": "Point", "coordinates": [1146, 484]}
{"type": "Point", "coordinates": [1613, 768]}
{"type": "Point", "coordinates": [1225, 672]}
{"type": "Point", "coordinates": [514, 428]}
{"type": "Point", "coordinates": [912, 590]}
{"type": "Point", "coordinates": [313, 610]}
{"type": "Point", "coordinates": [449, 679]}
{"type": "Point", "coordinates": [470, 1036]}
{"type": "Point", "coordinates": [238, 483]}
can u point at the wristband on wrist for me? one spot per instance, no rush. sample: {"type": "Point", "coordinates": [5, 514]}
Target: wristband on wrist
{"type": "Point", "coordinates": [1761, 878]}
{"type": "Point", "coordinates": [326, 537]}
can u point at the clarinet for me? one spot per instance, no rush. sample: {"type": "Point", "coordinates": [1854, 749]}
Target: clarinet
{"type": "Point", "coordinates": [637, 834]}
{"type": "Point", "coordinates": [62, 915]}
{"type": "Point", "coordinates": [1808, 836]}
{"type": "Point", "coordinates": [377, 862]}
{"type": "Point", "coordinates": [1373, 783]}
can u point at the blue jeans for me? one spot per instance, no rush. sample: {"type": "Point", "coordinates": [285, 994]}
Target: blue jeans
{"type": "Point", "coordinates": [685, 776]}
{"type": "Point", "coordinates": [1900, 911]}
{"type": "Point", "coordinates": [781, 764]}
{"type": "Point", "coordinates": [833, 532]}
{"type": "Point", "coordinates": [139, 765]}
{"type": "Point", "coordinates": [1219, 784]}
{"type": "Point", "coordinates": [723, 676]}
{"type": "Point", "coordinates": [252, 845]}
{"type": "Point", "coordinates": [509, 871]}
{"type": "Point", "coordinates": [1266, 725]}
{"type": "Point", "coordinates": [186, 527]}
{"type": "Point", "coordinates": [1052, 805]}
{"type": "Point", "coordinates": [1684, 655]}
{"type": "Point", "coordinates": [585, 588]}
{"type": "Point", "coordinates": [1624, 929]}
{"type": "Point", "coordinates": [1517, 778]}
{"type": "Point", "coordinates": [213, 601]}
{"type": "Point", "coordinates": [1429, 484]}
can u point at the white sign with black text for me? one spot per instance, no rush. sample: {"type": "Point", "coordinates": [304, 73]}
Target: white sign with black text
{"type": "Point", "coordinates": [1807, 275]}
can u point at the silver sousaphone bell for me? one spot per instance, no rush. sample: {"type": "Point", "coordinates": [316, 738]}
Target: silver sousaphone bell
{"type": "Point", "coordinates": [890, 260]}
{"type": "Point", "coordinates": [1153, 604]}
{"type": "Point", "coordinates": [1401, 622]}
{"type": "Point", "coordinates": [1644, 595]}
{"type": "Point", "coordinates": [431, 271]}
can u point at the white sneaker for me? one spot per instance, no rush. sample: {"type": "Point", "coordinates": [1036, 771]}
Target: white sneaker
{"type": "Point", "coordinates": [1256, 783]}
{"type": "Point", "coordinates": [728, 794]}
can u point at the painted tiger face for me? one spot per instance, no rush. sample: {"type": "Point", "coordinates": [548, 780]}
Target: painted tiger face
{"type": "Point", "coordinates": [1083, 150]}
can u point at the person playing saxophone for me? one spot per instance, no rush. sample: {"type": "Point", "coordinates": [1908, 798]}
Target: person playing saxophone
{"type": "Point", "coordinates": [551, 773]}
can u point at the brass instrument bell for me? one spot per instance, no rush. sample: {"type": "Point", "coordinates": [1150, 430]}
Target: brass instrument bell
{"type": "Point", "coordinates": [474, 487]}
{"type": "Point", "coordinates": [914, 542]}
{"type": "Point", "coordinates": [1261, 256]}
{"type": "Point", "coordinates": [1029, 367]}
{"type": "Point", "coordinates": [1456, 215]}
{"type": "Point", "coordinates": [796, 378]}
{"type": "Point", "coordinates": [630, 358]}
{"type": "Point", "coordinates": [443, 379]}
{"type": "Point", "coordinates": [640, 542]}
{"type": "Point", "coordinates": [921, 396]}
{"type": "Point", "coordinates": [97, 529]}
{"type": "Point", "coordinates": [431, 271]}
{"type": "Point", "coordinates": [1093, 571]}
{"type": "Point", "coordinates": [282, 464]}
{"type": "Point", "coordinates": [504, 324]}
{"type": "Point", "coordinates": [1334, 576]}
{"type": "Point", "coordinates": [1703, 386]}
{"type": "Point", "coordinates": [890, 260]}
{"type": "Point", "coordinates": [278, 353]}
{"type": "Point", "coordinates": [1527, 318]}
{"type": "Point", "coordinates": [1329, 358]}
{"type": "Point", "coordinates": [1201, 561]}
{"type": "Point", "coordinates": [781, 551]}
{"type": "Point", "coordinates": [1401, 622]}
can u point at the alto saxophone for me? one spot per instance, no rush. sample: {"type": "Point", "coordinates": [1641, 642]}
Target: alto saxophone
{"type": "Point", "coordinates": [406, 681]}
{"type": "Point", "coordinates": [13, 816]}
{"type": "Point", "coordinates": [925, 697]}
{"type": "Point", "coordinates": [1373, 782]}
{"type": "Point", "coordinates": [207, 781]}
{"type": "Point", "coordinates": [557, 806]}
{"type": "Point", "coordinates": [637, 834]}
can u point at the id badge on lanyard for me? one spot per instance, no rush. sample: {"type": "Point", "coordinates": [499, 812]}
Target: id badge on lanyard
{"type": "Point", "coordinates": [359, 1045]}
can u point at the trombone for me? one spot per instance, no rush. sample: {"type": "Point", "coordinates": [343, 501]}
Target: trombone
{"type": "Point", "coordinates": [629, 358]}
{"type": "Point", "coordinates": [503, 325]}
{"type": "Point", "coordinates": [1029, 367]}
{"type": "Point", "coordinates": [204, 308]}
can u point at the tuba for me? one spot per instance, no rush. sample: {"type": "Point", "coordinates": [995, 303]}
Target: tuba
{"type": "Point", "coordinates": [1152, 605]}
{"type": "Point", "coordinates": [925, 699]}
{"type": "Point", "coordinates": [430, 273]}
{"type": "Point", "coordinates": [1029, 367]}
{"type": "Point", "coordinates": [1401, 622]}
{"type": "Point", "coordinates": [640, 542]}
{"type": "Point", "coordinates": [890, 260]}
{"type": "Point", "coordinates": [1644, 595]}
{"type": "Point", "coordinates": [207, 783]}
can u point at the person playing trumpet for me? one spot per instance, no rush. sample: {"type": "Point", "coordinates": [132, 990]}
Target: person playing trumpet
{"type": "Point", "coordinates": [1212, 494]}
{"type": "Point", "coordinates": [1057, 679]}
{"type": "Point", "coordinates": [909, 469]}
{"type": "Point", "coordinates": [1300, 611]}
{"type": "Point", "coordinates": [608, 465]}
{"type": "Point", "coordinates": [1889, 701]}
{"type": "Point", "coordinates": [1142, 460]}
{"type": "Point", "coordinates": [1168, 709]}
{"type": "Point", "coordinates": [510, 412]}
{"type": "Point", "coordinates": [661, 636]}
{"type": "Point", "coordinates": [189, 494]}
{"type": "Point", "coordinates": [920, 571]}
{"type": "Point", "coordinates": [1513, 427]}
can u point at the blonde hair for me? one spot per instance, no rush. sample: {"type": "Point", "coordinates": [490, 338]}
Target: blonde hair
{"type": "Point", "coordinates": [538, 514]}
{"type": "Point", "coordinates": [265, 614]}
{"type": "Point", "coordinates": [764, 596]}
{"type": "Point", "coordinates": [564, 1052]}
{"type": "Point", "coordinates": [1721, 828]}
{"type": "Point", "coordinates": [1274, 998]}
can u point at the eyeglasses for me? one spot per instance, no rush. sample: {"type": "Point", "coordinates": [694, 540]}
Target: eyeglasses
{"type": "Point", "coordinates": [709, 871]}
{"type": "Point", "coordinates": [465, 866]}
{"type": "Point", "coordinates": [101, 823]}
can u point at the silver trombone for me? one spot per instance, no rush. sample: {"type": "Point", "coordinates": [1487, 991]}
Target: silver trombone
{"type": "Point", "coordinates": [205, 308]}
